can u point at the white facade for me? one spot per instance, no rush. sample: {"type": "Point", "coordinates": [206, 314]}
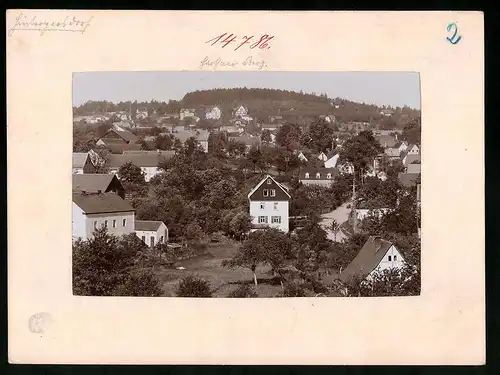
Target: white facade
{"type": "Point", "coordinates": [186, 113]}
{"type": "Point", "coordinates": [149, 172]}
{"type": "Point", "coordinates": [325, 183]}
{"type": "Point", "coordinates": [301, 156]}
{"type": "Point", "coordinates": [214, 114]}
{"type": "Point", "coordinates": [151, 238]}
{"type": "Point", "coordinates": [332, 162]}
{"type": "Point", "coordinates": [271, 213]}
{"type": "Point", "coordinates": [118, 223]}
{"type": "Point", "coordinates": [322, 157]}
{"type": "Point", "coordinates": [414, 150]}
{"type": "Point", "coordinates": [392, 259]}
{"type": "Point", "coordinates": [77, 170]}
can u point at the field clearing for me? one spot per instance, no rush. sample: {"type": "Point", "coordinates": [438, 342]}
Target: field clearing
{"type": "Point", "coordinates": [222, 280]}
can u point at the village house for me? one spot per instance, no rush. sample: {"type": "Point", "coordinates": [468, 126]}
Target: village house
{"type": "Point", "coordinates": [146, 160]}
{"type": "Point", "coordinates": [375, 256]}
{"type": "Point", "coordinates": [122, 147]}
{"type": "Point", "coordinates": [328, 118]}
{"type": "Point", "coordinates": [96, 119]}
{"type": "Point", "coordinates": [413, 149]}
{"type": "Point", "coordinates": [318, 176]}
{"type": "Point", "coordinates": [82, 163]}
{"type": "Point", "coordinates": [363, 213]}
{"type": "Point", "coordinates": [151, 232]}
{"type": "Point", "coordinates": [271, 127]}
{"type": "Point", "coordinates": [141, 114]}
{"type": "Point", "coordinates": [123, 124]}
{"type": "Point", "coordinates": [269, 205]}
{"type": "Point", "coordinates": [357, 127]}
{"type": "Point", "coordinates": [123, 116]}
{"type": "Point", "coordinates": [331, 162]}
{"type": "Point", "coordinates": [200, 135]}
{"type": "Point", "coordinates": [345, 167]}
{"type": "Point", "coordinates": [213, 114]}
{"type": "Point", "coordinates": [92, 211]}
{"type": "Point", "coordinates": [242, 112]}
{"type": "Point", "coordinates": [322, 156]}
{"type": "Point", "coordinates": [247, 140]}
{"type": "Point", "coordinates": [408, 159]}
{"type": "Point", "coordinates": [387, 112]}
{"type": "Point", "coordinates": [95, 182]}
{"type": "Point", "coordinates": [117, 135]}
{"type": "Point", "coordinates": [187, 112]}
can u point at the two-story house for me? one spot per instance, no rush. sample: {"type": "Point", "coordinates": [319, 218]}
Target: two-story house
{"type": "Point", "coordinates": [269, 205]}
{"type": "Point", "coordinates": [92, 211]}
{"type": "Point", "coordinates": [82, 163]}
{"type": "Point", "coordinates": [213, 114]}
{"type": "Point", "coordinates": [151, 232]}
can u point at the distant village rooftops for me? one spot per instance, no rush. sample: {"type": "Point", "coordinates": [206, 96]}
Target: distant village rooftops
{"type": "Point", "coordinates": [139, 158]}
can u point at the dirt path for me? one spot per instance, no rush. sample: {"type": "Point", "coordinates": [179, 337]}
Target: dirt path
{"type": "Point", "coordinates": [340, 215]}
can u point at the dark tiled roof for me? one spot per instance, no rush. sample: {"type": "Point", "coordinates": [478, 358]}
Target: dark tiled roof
{"type": "Point", "coordinates": [148, 225]}
{"type": "Point", "coordinates": [139, 158]}
{"type": "Point", "coordinates": [368, 258]}
{"type": "Point", "coordinates": [101, 203]}
{"type": "Point", "coordinates": [92, 182]}
{"type": "Point", "coordinates": [119, 148]}
{"type": "Point", "coordinates": [124, 134]}
{"type": "Point", "coordinates": [408, 179]}
{"type": "Point", "coordinates": [250, 141]}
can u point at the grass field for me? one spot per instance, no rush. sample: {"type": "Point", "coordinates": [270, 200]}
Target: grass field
{"type": "Point", "coordinates": [222, 280]}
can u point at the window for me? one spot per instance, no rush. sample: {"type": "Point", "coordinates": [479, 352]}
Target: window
{"type": "Point", "coordinates": [95, 224]}
{"type": "Point", "coordinates": [266, 192]}
{"type": "Point", "coordinates": [276, 219]}
{"type": "Point", "coordinates": [143, 238]}
{"type": "Point", "coordinates": [161, 239]}
{"type": "Point", "coordinates": [329, 175]}
{"type": "Point", "coordinates": [273, 193]}
{"type": "Point", "coordinates": [262, 206]}
{"type": "Point", "coordinates": [262, 219]}
{"type": "Point", "coordinates": [124, 222]}
{"type": "Point", "coordinates": [269, 182]}
{"type": "Point", "coordinates": [394, 258]}
{"type": "Point", "coordinates": [105, 223]}
{"type": "Point", "coordinates": [275, 205]}
{"type": "Point", "coordinates": [318, 175]}
{"type": "Point", "coordinates": [152, 241]}
{"type": "Point", "coordinates": [306, 175]}
{"type": "Point", "coordinates": [114, 223]}
{"type": "Point", "coordinates": [389, 258]}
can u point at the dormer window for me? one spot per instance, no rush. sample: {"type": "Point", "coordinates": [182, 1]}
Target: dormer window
{"type": "Point", "coordinates": [265, 193]}
{"type": "Point", "coordinates": [329, 175]}
{"type": "Point", "coordinates": [307, 175]}
{"type": "Point", "coordinates": [318, 175]}
{"type": "Point", "coordinates": [269, 182]}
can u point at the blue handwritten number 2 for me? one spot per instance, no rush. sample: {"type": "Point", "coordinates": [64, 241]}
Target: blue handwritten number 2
{"type": "Point", "coordinates": [453, 39]}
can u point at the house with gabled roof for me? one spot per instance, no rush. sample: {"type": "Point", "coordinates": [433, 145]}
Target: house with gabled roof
{"type": "Point", "coordinates": [151, 232]}
{"type": "Point", "coordinates": [376, 255]}
{"type": "Point", "coordinates": [269, 204]}
{"type": "Point", "coordinates": [98, 182]}
{"type": "Point", "coordinates": [92, 211]}
{"type": "Point", "coordinates": [213, 113]}
{"type": "Point", "coordinates": [318, 176]}
{"type": "Point", "coordinates": [242, 112]}
{"type": "Point", "coordinates": [117, 135]}
{"type": "Point", "coordinates": [82, 163]}
{"type": "Point", "coordinates": [331, 162]}
{"type": "Point", "coordinates": [147, 160]}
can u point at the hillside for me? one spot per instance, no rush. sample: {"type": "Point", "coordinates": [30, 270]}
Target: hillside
{"type": "Point", "coordinates": [293, 106]}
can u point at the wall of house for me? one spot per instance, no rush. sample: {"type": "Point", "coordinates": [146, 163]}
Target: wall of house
{"type": "Point", "coordinates": [78, 223]}
{"type": "Point", "coordinates": [326, 183]}
{"type": "Point", "coordinates": [118, 216]}
{"type": "Point", "coordinates": [77, 170]}
{"type": "Point", "coordinates": [162, 231]}
{"type": "Point", "coordinates": [332, 162]}
{"type": "Point", "coordinates": [385, 263]}
{"type": "Point", "coordinates": [149, 172]}
{"type": "Point", "coordinates": [269, 211]}
{"type": "Point", "coordinates": [204, 144]}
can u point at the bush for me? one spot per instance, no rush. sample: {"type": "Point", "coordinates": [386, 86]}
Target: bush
{"type": "Point", "coordinates": [192, 286]}
{"type": "Point", "coordinates": [243, 291]}
{"type": "Point", "coordinates": [294, 290]}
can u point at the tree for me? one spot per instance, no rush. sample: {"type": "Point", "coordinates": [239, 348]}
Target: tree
{"type": "Point", "coordinates": [266, 136]}
{"type": "Point", "coordinates": [255, 157]}
{"type": "Point", "coordinates": [243, 291]}
{"type": "Point", "coordinates": [334, 226]}
{"type": "Point", "coordinates": [286, 161]}
{"type": "Point", "coordinates": [164, 142]}
{"type": "Point", "coordinates": [289, 136]}
{"type": "Point", "coordinates": [193, 286]}
{"type": "Point", "coordinates": [321, 136]}
{"type": "Point", "coordinates": [106, 266]}
{"type": "Point", "coordinates": [131, 173]}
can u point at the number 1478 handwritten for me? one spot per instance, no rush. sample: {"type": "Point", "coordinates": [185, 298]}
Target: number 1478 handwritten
{"type": "Point", "coordinates": [226, 39]}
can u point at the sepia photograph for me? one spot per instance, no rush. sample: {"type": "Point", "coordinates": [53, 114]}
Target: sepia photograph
{"type": "Point", "coordinates": [246, 184]}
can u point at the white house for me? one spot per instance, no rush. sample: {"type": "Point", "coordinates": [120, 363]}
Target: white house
{"type": "Point", "coordinates": [141, 115]}
{"type": "Point", "coordinates": [146, 160]}
{"type": "Point", "coordinates": [213, 114]}
{"type": "Point", "coordinates": [269, 205]}
{"type": "Point", "coordinates": [96, 119]}
{"type": "Point", "coordinates": [187, 112]}
{"type": "Point", "coordinates": [332, 162]}
{"type": "Point", "coordinates": [375, 256]}
{"type": "Point", "coordinates": [413, 149]}
{"type": "Point", "coordinates": [301, 156]}
{"type": "Point", "coordinates": [318, 176]}
{"type": "Point", "coordinates": [94, 210]}
{"type": "Point", "coordinates": [242, 112]}
{"type": "Point", "coordinates": [151, 232]}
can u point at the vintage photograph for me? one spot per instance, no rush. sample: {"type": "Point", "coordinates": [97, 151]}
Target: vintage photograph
{"type": "Point", "coordinates": [246, 184]}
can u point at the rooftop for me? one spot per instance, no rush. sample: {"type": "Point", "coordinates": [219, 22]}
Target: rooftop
{"type": "Point", "coordinates": [94, 203]}
{"type": "Point", "coordinates": [92, 182]}
{"type": "Point", "coordinates": [148, 225]}
{"type": "Point", "coordinates": [79, 159]}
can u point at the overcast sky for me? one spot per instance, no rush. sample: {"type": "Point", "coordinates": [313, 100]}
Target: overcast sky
{"type": "Point", "coordinates": [381, 88]}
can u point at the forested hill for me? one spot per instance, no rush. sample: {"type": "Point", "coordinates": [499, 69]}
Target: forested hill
{"type": "Point", "coordinates": [261, 103]}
